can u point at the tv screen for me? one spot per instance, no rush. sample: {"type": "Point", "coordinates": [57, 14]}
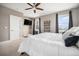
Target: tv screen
{"type": "Point", "coordinates": [27, 22]}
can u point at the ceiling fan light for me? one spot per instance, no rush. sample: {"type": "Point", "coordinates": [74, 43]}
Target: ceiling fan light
{"type": "Point", "coordinates": [34, 7]}
{"type": "Point", "coordinates": [34, 11]}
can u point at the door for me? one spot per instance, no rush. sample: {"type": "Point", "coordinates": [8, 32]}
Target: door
{"type": "Point", "coordinates": [15, 27]}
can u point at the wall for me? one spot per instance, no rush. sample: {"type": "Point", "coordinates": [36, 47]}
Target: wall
{"type": "Point", "coordinates": [5, 22]}
{"type": "Point", "coordinates": [75, 16]}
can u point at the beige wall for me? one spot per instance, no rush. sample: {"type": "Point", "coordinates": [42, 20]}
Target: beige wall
{"type": "Point", "coordinates": [5, 21]}
{"type": "Point", "coordinates": [75, 17]}
{"type": "Point", "coordinates": [78, 17]}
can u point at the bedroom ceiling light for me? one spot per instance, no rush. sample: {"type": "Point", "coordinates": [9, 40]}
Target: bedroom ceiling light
{"type": "Point", "coordinates": [34, 6]}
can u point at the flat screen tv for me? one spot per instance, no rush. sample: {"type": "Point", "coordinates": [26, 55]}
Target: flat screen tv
{"type": "Point", "coordinates": [27, 22]}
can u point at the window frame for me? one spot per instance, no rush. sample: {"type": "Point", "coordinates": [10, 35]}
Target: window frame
{"type": "Point", "coordinates": [60, 15]}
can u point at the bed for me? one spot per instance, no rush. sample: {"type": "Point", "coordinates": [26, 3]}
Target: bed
{"type": "Point", "coordinates": [48, 44]}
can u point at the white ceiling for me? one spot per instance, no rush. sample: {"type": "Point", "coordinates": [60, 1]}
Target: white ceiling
{"type": "Point", "coordinates": [48, 8]}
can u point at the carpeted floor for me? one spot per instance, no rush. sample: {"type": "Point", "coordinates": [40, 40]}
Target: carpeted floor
{"type": "Point", "coordinates": [9, 48]}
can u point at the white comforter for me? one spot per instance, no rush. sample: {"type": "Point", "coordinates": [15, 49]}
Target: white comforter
{"type": "Point", "coordinates": [47, 44]}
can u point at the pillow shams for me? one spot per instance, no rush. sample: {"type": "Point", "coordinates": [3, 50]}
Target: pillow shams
{"type": "Point", "coordinates": [68, 32]}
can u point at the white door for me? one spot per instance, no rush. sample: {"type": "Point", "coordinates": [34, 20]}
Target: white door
{"type": "Point", "coordinates": [15, 27]}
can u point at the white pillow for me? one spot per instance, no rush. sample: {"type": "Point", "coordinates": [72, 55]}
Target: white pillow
{"type": "Point", "coordinates": [76, 31]}
{"type": "Point", "coordinates": [68, 32]}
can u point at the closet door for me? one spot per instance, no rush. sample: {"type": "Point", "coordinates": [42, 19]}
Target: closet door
{"type": "Point", "coordinates": [15, 27]}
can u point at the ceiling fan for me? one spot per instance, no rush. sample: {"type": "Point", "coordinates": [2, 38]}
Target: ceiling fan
{"type": "Point", "coordinates": [34, 6]}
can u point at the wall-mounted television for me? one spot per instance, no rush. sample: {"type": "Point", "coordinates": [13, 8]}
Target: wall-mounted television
{"type": "Point", "coordinates": [27, 22]}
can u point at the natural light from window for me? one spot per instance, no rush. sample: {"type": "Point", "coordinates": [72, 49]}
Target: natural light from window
{"type": "Point", "coordinates": [63, 23]}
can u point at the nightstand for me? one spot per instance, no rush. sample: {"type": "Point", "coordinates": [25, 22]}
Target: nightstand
{"type": "Point", "coordinates": [27, 35]}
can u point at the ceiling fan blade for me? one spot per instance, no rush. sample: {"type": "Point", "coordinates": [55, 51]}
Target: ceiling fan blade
{"type": "Point", "coordinates": [29, 4]}
{"type": "Point", "coordinates": [37, 4]}
{"type": "Point", "coordinates": [39, 8]}
{"type": "Point", "coordinates": [28, 8]}
{"type": "Point", "coordinates": [34, 11]}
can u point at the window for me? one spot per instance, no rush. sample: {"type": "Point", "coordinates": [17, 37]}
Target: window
{"type": "Point", "coordinates": [63, 23]}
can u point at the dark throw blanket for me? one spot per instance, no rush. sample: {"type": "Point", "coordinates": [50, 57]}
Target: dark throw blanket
{"type": "Point", "coordinates": [71, 41]}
